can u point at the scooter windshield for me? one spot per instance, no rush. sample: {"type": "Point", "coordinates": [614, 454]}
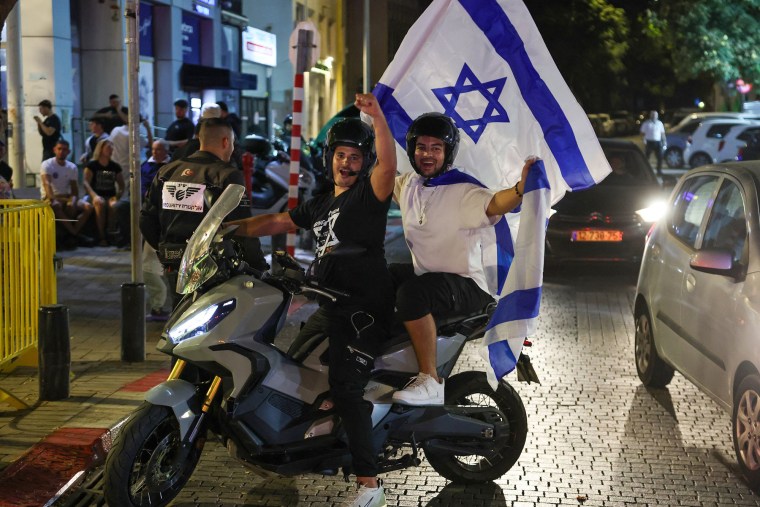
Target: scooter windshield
{"type": "Point", "coordinates": [197, 266]}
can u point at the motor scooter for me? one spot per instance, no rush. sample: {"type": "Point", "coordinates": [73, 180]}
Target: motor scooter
{"type": "Point", "coordinates": [267, 405]}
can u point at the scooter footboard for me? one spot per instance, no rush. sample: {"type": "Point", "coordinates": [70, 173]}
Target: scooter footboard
{"type": "Point", "coordinates": [464, 430]}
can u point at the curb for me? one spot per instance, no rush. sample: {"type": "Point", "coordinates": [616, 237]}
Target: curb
{"type": "Point", "coordinates": [54, 466]}
{"type": "Point", "coordinates": [61, 461]}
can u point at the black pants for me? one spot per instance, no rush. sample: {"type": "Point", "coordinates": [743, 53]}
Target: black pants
{"type": "Point", "coordinates": [349, 374]}
{"type": "Point", "coordinates": [439, 294]}
{"type": "Point", "coordinates": [656, 147]}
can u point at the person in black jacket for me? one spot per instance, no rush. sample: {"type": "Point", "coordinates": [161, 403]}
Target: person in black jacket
{"type": "Point", "coordinates": [179, 196]}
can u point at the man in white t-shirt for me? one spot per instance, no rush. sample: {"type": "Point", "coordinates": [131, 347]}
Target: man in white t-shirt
{"type": "Point", "coordinates": [60, 187]}
{"type": "Point", "coordinates": [448, 218]}
{"type": "Point", "coordinates": [653, 133]}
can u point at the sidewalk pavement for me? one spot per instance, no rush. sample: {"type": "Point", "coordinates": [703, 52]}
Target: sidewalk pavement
{"type": "Point", "coordinates": [47, 449]}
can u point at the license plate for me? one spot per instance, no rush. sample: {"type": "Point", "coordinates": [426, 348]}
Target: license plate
{"type": "Point", "coordinates": [596, 235]}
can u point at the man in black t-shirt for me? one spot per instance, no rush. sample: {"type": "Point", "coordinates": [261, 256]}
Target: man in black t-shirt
{"type": "Point", "coordinates": [49, 128]}
{"type": "Point", "coordinates": [181, 130]}
{"type": "Point", "coordinates": [353, 214]}
{"type": "Point", "coordinates": [114, 114]}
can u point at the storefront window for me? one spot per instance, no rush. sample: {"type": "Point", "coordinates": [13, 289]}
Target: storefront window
{"type": "Point", "coordinates": [230, 47]}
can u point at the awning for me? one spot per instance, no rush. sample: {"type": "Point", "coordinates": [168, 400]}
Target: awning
{"type": "Point", "coordinates": [201, 77]}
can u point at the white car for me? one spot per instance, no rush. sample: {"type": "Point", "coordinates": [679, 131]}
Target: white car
{"type": "Point", "coordinates": [678, 134]}
{"type": "Point", "coordinates": [697, 305]}
{"type": "Point", "coordinates": [735, 139]}
{"type": "Point", "coordinates": [703, 145]}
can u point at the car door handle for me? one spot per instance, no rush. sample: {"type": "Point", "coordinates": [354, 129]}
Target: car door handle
{"type": "Point", "coordinates": [691, 282]}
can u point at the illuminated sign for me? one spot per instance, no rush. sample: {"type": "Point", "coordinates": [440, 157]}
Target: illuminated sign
{"type": "Point", "coordinates": [259, 47]}
{"type": "Point", "coordinates": [202, 9]}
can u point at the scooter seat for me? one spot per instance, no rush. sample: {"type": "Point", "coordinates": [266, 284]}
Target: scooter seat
{"type": "Point", "coordinates": [467, 323]}
{"type": "Point", "coordinates": [471, 325]}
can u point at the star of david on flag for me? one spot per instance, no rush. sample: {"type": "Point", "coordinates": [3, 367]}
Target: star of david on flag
{"type": "Point", "coordinates": [484, 64]}
{"type": "Point", "coordinates": [468, 82]}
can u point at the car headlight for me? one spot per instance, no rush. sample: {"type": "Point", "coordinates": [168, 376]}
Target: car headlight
{"type": "Point", "coordinates": [653, 212]}
{"type": "Point", "coordinates": [201, 322]}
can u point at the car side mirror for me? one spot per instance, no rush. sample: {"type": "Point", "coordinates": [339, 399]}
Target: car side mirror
{"type": "Point", "coordinates": [715, 262]}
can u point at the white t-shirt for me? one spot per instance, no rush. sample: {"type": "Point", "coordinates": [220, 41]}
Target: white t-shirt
{"type": "Point", "coordinates": [653, 130]}
{"type": "Point", "coordinates": [120, 138]}
{"type": "Point", "coordinates": [446, 227]}
{"type": "Point", "coordinates": [60, 176]}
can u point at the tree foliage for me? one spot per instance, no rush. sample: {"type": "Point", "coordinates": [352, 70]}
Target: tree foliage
{"type": "Point", "coordinates": [719, 38]}
{"type": "Point", "coordinates": [588, 40]}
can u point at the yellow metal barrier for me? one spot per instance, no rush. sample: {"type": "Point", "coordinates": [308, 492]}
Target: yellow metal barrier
{"type": "Point", "coordinates": [27, 281]}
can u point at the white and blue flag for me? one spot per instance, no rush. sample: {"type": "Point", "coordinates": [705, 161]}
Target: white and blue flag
{"type": "Point", "coordinates": [484, 64]}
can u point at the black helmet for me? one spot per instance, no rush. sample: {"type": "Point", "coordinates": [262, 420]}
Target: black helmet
{"type": "Point", "coordinates": [436, 125]}
{"type": "Point", "coordinates": [354, 133]}
{"type": "Point", "coordinates": [288, 120]}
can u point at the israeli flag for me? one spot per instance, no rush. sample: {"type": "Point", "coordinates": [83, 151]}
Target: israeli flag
{"type": "Point", "coordinates": [484, 64]}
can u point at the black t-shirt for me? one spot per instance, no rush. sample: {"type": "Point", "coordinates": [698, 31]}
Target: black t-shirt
{"type": "Point", "coordinates": [104, 178]}
{"type": "Point", "coordinates": [355, 217]}
{"type": "Point", "coordinates": [48, 141]}
{"type": "Point", "coordinates": [6, 171]}
{"type": "Point", "coordinates": [111, 117]}
{"type": "Point", "coordinates": [180, 129]}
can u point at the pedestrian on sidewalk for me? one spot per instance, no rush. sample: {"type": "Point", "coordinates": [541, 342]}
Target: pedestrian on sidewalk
{"type": "Point", "coordinates": [49, 128]}
{"type": "Point", "coordinates": [653, 132]}
{"type": "Point", "coordinates": [153, 271]}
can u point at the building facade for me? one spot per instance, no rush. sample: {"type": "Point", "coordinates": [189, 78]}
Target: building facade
{"type": "Point", "coordinates": [73, 53]}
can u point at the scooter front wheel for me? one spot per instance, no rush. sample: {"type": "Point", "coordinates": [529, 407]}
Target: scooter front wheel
{"type": "Point", "coordinates": [148, 466]}
{"type": "Point", "coordinates": [471, 389]}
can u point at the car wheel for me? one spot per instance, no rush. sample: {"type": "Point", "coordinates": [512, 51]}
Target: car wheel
{"type": "Point", "coordinates": [745, 422]}
{"type": "Point", "coordinates": [699, 159]}
{"type": "Point", "coordinates": [674, 158]}
{"type": "Point", "coordinates": [652, 370]}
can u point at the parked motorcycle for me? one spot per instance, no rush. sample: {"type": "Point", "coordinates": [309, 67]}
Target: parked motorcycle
{"type": "Point", "coordinates": [271, 176]}
{"type": "Point", "coordinates": [265, 405]}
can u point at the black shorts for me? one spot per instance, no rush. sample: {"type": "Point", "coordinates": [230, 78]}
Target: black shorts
{"type": "Point", "coordinates": [439, 294]}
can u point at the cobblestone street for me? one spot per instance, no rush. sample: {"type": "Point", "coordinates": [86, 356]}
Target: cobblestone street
{"type": "Point", "coordinates": [596, 436]}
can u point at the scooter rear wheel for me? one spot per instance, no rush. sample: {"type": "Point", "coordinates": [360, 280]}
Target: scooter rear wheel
{"type": "Point", "coordinates": [472, 389]}
{"type": "Point", "coordinates": [147, 465]}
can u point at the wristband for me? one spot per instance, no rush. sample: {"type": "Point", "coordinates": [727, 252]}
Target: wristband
{"type": "Point", "coordinates": [517, 191]}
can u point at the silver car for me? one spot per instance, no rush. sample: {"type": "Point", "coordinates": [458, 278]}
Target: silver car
{"type": "Point", "coordinates": [697, 307]}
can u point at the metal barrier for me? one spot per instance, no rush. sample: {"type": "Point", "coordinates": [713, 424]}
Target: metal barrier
{"type": "Point", "coordinates": [27, 281]}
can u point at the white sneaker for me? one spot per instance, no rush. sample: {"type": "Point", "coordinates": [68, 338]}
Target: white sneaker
{"type": "Point", "coordinates": [366, 497]}
{"type": "Point", "coordinates": [421, 390]}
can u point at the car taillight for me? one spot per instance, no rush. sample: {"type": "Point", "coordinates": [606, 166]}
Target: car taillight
{"type": "Point", "coordinates": [740, 154]}
{"type": "Point", "coordinates": [721, 144]}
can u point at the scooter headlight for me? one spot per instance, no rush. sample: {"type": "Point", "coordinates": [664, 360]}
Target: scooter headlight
{"type": "Point", "coordinates": [201, 322]}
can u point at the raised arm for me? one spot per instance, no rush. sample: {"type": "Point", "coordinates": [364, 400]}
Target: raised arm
{"type": "Point", "coordinates": [508, 199]}
{"type": "Point", "coordinates": [384, 173]}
